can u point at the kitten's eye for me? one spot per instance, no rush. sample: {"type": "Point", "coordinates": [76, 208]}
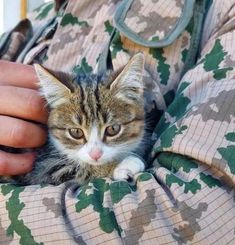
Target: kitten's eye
{"type": "Point", "coordinates": [76, 133]}
{"type": "Point", "coordinates": [112, 130]}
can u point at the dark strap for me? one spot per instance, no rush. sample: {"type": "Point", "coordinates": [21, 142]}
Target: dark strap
{"type": "Point", "coordinates": [105, 62]}
{"type": "Point", "coordinates": [200, 9]}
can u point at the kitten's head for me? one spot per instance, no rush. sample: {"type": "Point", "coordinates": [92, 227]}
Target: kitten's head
{"type": "Point", "coordinates": [96, 120]}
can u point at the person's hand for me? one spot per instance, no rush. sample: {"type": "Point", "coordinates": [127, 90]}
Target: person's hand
{"type": "Point", "coordinates": [22, 110]}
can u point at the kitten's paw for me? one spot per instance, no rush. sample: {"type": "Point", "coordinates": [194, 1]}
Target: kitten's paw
{"type": "Point", "coordinates": [128, 168]}
{"type": "Point", "coordinates": [122, 174]}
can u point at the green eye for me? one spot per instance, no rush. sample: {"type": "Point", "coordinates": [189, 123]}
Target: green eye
{"type": "Point", "coordinates": [112, 130]}
{"type": "Point", "coordinates": [76, 133]}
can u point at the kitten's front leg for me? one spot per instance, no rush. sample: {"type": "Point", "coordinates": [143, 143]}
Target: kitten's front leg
{"type": "Point", "coordinates": [128, 168]}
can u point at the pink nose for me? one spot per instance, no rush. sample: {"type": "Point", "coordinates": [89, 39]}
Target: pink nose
{"type": "Point", "coordinates": [96, 154]}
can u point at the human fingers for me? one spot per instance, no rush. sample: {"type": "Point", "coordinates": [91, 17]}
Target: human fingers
{"type": "Point", "coordinates": [16, 164]}
{"type": "Point", "coordinates": [19, 75]}
{"type": "Point", "coordinates": [18, 133]}
{"type": "Point", "coordinates": [23, 103]}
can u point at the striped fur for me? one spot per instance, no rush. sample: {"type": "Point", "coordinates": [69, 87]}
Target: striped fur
{"type": "Point", "coordinates": [92, 103]}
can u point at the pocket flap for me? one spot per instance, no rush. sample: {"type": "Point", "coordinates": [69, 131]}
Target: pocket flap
{"type": "Point", "coordinates": [153, 23]}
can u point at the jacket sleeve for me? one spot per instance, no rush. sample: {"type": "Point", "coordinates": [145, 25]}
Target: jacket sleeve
{"type": "Point", "coordinates": [186, 198]}
{"type": "Point", "coordinates": [14, 41]}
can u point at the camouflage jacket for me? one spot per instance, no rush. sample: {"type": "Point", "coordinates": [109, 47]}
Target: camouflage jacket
{"type": "Point", "coordinates": [187, 196]}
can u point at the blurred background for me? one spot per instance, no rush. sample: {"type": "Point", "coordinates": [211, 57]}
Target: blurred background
{"type": "Point", "coordinates": [11, 11]}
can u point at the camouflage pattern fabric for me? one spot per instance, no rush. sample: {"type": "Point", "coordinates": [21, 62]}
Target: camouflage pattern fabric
{"type": "Point", "coordinates": [187, 196]}
{"type": "Point", "coordinates": [144, 23]}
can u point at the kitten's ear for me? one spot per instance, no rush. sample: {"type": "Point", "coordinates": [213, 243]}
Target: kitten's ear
{"type": "Point", "coordinates": [51, 88]}
{"type": "Point", "coordinates": [129, 83]}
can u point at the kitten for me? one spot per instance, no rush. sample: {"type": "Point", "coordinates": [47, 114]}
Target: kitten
{"type": "Point", "coordinates": [96, 127]}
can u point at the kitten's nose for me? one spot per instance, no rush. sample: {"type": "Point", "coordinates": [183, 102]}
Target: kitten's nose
{"type": "Point", "coordinates": [96, 154]}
